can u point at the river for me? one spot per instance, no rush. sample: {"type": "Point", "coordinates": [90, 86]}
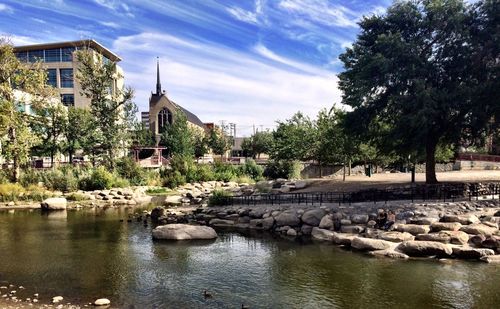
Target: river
{"type": "Point", "coordinates": [88, 254]}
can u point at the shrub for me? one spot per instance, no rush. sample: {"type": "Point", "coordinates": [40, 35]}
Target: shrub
{"type": "Point", "coordinates": [152, 178]}
{"type": "Point", "coordinates": [4, 176]}
{"type": "Point", "coordinates": [119, 182]}
{"type": "Point", "coordinates": [76, 197]}
{"type": "Point", "coordinates": [225, 172]}
{"type": "Point", "coordinates": [31, 177]}
{"type": "Point", "coordinates": [159, 190]}
{"type": "Point", "coordinates": [283, 169]}
{"type": "Point", "coordinates": [251, 169]}
{"type": "Point", "coordinates": [99, 179]}
{"type": "Point", "coordinates": [61, 180]}
{"type": "Point", "coordinates": [129, 169]}
{"type": "Point", "coordinates": [10, 192]}
{"type": "Point", "coordinates": [205, 172]}
{"type": "Point", "coordinates": [219, 198]}
{"type": "Point", "coordinates": [36, 193]}
{"type": "Point", "coordinates": [173, 179]}
{"type": "Point", "coordinates": [244, 179]}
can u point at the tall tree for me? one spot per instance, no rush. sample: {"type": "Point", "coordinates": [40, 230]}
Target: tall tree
{"type": "Point", "coordinates": [78, 131]}
{"type": "Point", "coordinates": [414, 69]}
{"type": "Point", "coordinates": [21, 85]}
{"type": "Point", "coordinates": [178, 137]}
{"type": "Point", "coordinates": [111, 106]}
{"type": "Point", "coordinates": [294, 139]}
{"type": "Point", "coordinates": [218, 141]}
{"type": "Point", "coordinates": [257, 144]}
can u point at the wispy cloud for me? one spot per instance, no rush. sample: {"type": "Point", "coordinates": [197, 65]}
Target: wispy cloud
{"type": "Point", "coordinates": [19, 40]}
{"type": "Point", "coordinates": [6, 9]}
{"type": "Point", "coordinates": [217, 82]}
{"type": "Point", "coordinates": [243, 15]}
{"type": "Point", "coordinates": [321, 11]}
{"type": "Point", "coordinates": [110, 24]}
{"type": "Point", "coordinates": [116, 5]}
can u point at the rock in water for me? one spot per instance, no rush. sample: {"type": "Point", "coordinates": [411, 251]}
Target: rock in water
{"type": "Point", "coordinates": [368, 244]}
{"type": "Point", "coordinates": [322, 234]}
{"type": "Point", "coordinates": [54, 203]}
{"type": "Point", "coordinates": [183, 232]}
{"type": "Point", "coordinates": [424, 248]}
{"type": "Point", "coordinates": [287, 217]}
{"type": "Point", "coordinates": [102, 302]}
{"type": "Point", "coordinates": [313, 217]}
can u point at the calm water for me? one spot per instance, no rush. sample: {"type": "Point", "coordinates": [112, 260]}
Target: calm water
{"type": "Point", "coordinates": [84, 255]}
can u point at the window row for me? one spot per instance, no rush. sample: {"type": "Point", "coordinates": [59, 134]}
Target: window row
{"type": "Point", "coordinates": [68, 100]}
{"type": "Point", "coordinates": [65, 77]}
{"type": "Point", "coordinates": [47, 55]}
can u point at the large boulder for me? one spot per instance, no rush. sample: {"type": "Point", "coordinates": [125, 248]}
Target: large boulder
{"type": "Point", "coordinates": [413, 229]}
{"type": "Point", "coordinates": [313, 217]}
{"type": "Point", "coordinates": [288, 217]}
{"type": "Point", "coordinates": [445, 226]}
{"type": "Point", "coordinates": [390, 254]}
{"type": "Point", "coordinates": [359, 219]}
{"type": "Point", "coordinates": [396, 236]}
{"type": "Point", "coordinates": [351, 229]}
{"type": "Point", "coordinates": [156, 213]}
{"type": "Point", "coordinates": [423, 220]}
{"type": "Point", "coordinates": [183, 232]}
{"type": "Point", "coordinates": [173, 200]}
{"type": "Point", "coordinates": [479, 228]}
{"type": "Point", "coordinates": [462, 219]}
{"type": "Point", "coordinates": [439, 237]}
{"type": "Point", "coordinates": [491, 259]}
{"type": "Point", "coordinates": [471, 253]}
{"type": "Point", "coordinates": [54, 203]}
{"type": "Point", "coordinates": [221, 223]}
{"type": "Point", "coordinates": [425, 248]}
{"type": "Point", "coordinates": [368, 244]}
{"type": "Point", "coordinates": [457, 237]}
{"type": "Point", "coordinates": [322, 234]}
{"type": "Point", "coordinates": [343, 239]}
{"type": "Point", "coordinates": [326, 222]}
{"type": "Point", "coordinates": [300, 184]}
{"type": "Point", "coordinates": [492, 242]}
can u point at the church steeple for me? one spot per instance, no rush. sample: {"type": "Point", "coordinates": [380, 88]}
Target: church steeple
{"type": "Point", "coordinates": [158, 84]}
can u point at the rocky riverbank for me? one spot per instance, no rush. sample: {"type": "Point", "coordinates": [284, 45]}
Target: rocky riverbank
{"type": "Point", "coordinates": [463, 230]}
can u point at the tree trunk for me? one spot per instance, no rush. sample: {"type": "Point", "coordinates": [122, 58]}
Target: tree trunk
{"type": "Point", "coordinates": [430, 161]}
{"type": "Point", "coordinates": [350, 167]}
{"type": "Point", "coordinates": [51, 159]}
{"type": "Point", "coordinates": [343, 176]}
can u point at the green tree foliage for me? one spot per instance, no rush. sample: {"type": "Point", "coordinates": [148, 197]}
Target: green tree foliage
{"type": "Point", "coordinates": [257, 144]}
{"type": "Point", "coordinates": [29, 80]}
{"type": "Point", "coordinates": [294, 139]}
{"type": "Point", "coordinates": [111, 107]}
{"type": "Point", "coordinates": [428, 70]}
{"type": "Point", "coordinates": [219, 142]}
{"type": "Point", "coordinates": [200, 144]}
{"type": "Point", "coordinates": [142, 135]}
{"type": "Point", "coordinates": [178, 137]}
{"type": "Point", "coordinates": [79, 131]}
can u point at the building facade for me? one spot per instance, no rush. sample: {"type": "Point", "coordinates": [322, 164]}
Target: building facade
{"type": "Point", "coordinates": [61, 64]}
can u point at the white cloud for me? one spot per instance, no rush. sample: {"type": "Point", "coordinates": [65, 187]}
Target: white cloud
{"type": "Point", "coordinates": [216, 82]}
{"type": "Point", "coordinates": [19, 40]}
{"type": "Point", "coordinates": [243, 15]}
{"type": "Point", "coordinates": [5, 8]}
{"type": "Point", "coordinates": [38, 20]}
{"type": "Point", "coordinates": [321, 12]}
{"type": "Point", "coordinates": [110, 24]}
{"type": "Point", "coordinates": [116, 6]}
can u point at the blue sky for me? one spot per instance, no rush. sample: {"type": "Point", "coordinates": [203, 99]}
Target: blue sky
{"type": "Point", "coordinates": [247, 62]}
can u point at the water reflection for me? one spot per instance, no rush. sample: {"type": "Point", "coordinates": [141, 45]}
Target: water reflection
{"type": "Point", "coordinates": [85, 254]}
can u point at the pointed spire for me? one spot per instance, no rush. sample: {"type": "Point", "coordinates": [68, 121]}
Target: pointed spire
{"type": "Point", "coordinates": [158, 84]}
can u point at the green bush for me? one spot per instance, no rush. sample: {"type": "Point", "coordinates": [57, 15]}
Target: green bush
{"type": "Point", "coordinates": [251, 169]}
{"type": "Point", "coordinates": [159, 190]}
{"type": "Point", "coordinates": [4, 176]}
{"type": "Point", "coordinates": [205, 172]}
{"type": "Point", "coordinates": [36, 193]}
{"type": "Point", "coordinates": [219, 198]}
{"type": "Point", "coordinates": [99, 179]}
{"type": "Point", "coordinates": [225, 172]}
{"type": "Point", "coordinates": [31, 177]}
{"type": "Point", "coordinates": [152, 177]}
{"type": "Point", "coordinates": [283, 169]}
{"type": "Point", "coordinates": [173, 179]}
{"type": "Point", "coordinates": [61, 180]}
{"type": "Point", "coordinates": [127, 168]}
{"type": "Point", "coordinates": [119, 182]}
{"type": "Point", "coordinates": [11, 192]}
{"type": "Point", "coordinates": [76, 197]}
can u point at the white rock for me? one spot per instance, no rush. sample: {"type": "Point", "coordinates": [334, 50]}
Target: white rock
{"type": "Point", "coordinates": [54, 203]}
{"type": "Point", "coordinates": [183, 232]}
{"type": "Point", "coordinates": [57, 299]}
{"type": "Point", "coordinates": [102, 302]}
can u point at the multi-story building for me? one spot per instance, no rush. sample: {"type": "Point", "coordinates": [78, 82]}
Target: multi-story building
{"type": "Point", "coordinates": [62, 65]}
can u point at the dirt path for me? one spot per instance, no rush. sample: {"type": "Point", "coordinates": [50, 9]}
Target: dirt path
{"type": "Point", "coordinates": [358, 182]}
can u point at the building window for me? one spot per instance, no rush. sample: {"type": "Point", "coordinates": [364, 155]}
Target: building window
{"type": "Point", "coordinates": [52, 77]}
{"type": "Point", "coordinates": [68, 99]}
{"type": "Point", "coordinates": [22, 56]}
{"type": "Point", "coordinates": [66, 78]}
{"type": "Point", "coordinates": [53, 55]}
{"type": "Point", "coordinates": [67, 54]}
{"type": "Point", "coordinates": [164, 119]}
{"type": "Point", "coordinates": [35, 55]}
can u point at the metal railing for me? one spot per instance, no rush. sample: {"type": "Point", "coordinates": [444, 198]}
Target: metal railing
{"type": "Point", "coordinates": [438, 192]}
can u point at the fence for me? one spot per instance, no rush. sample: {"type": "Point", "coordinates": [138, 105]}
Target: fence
{"type": "Point", "coordinates": [438, 192]}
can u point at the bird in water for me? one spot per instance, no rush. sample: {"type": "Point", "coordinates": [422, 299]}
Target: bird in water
{"type": "Point", "coordinates": [206, 294]}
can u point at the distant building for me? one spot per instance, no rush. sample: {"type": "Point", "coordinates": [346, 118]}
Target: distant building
{"type": "Point", "coordinates": [145, 119]}
{"type": "Point", "coordinates": [162, 110]}
{"type": "Point", "coordinates": [58, 59]}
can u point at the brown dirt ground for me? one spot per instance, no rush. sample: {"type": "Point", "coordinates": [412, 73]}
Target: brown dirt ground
{"type": "Point", "coordinates": [360, 182]}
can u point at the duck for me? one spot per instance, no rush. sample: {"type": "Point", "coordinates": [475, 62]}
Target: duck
{"type": "Point", "coordinates": [206, 294]}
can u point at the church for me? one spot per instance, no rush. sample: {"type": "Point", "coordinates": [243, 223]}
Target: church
{"type": "Point", "coordinates": [162, 110]}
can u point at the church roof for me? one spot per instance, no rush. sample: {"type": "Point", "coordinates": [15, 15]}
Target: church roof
{"type": "Point", "coordinates": [189, 115]}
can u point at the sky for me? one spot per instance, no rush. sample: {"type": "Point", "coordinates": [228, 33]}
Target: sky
{"type": "Point", "coordinates": [248, 62]}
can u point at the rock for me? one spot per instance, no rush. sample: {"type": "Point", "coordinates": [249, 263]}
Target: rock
{"type": "Point", "coordinates": [479, 228]}
{"type": "Point", "coordinates": [267, 223]}
{"type": "Point", "coordinates": [285, 188]}
{"type": "Point", "coordinates": [326, 222]}
{"type": "Point", "coordinates": [445, 226]}
{"type": "Point", "coordinates": [462, 219]}
{"type": "Point", "coordinates": [221, 223]}
{"type": "Point", "coordinates": [371, 233]}
{"type": "Point", "coordinates": [471, 253]}
{"type": "Point", "coordinates": [54, 203]}
{"type": "Point", "coordinates": [256, 213]}
{"type": "Point", "coordinates": [102, 302]}
{"type": "Point", "coordinates": [439, 237]}
{"type": "Point", "coordinates": [359, 219]}
{"type": "Point", "coordinates": [183, 232]}
{"type": "Point", "coordinates": [288, 217]}
{"type": "Point", "coordinates": [491, 242]}
{"type": "Point", "coordinates": [351, 229]}
{"type": "Point", "coordinates": [390, 254]}
{"type": "Point", "coordinates": [413, 229]}
{"type": "Point", "coordinates": [156, 213]}
{"type": "Point", "coordinates": [300, 184]}
{"type": "Point", "coordinates": [173, 200]}
{"type": "Point", "coordinates": [306, 229]}
{"type": "Point", "coordinates": [371, 224]}
{"type": "Point", "coordinates": [343, 239]}
{"type": "Point", "coordinates": [57, 299]}
{"type": "Point", "coordinates": [424, 248]}
{"type": "Point", "coordinates": [423, 221]}
{"type": "Point", "coordinates": [396, 236]}
{"type": "Point", "coordinates": [477, 240]}
{"type": "Point", "coordinates": [368, 244]}
{"type": "Point", "coordinates": [491, 259]}
{"type": "Point", "coordinates": [322, 234]}
{"type": "Point", "coordinates": [313, 217]}
{"type": "Point", "coordinates": [291, 232]}
{"type": "Point", "coordinates": [345, 222]}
